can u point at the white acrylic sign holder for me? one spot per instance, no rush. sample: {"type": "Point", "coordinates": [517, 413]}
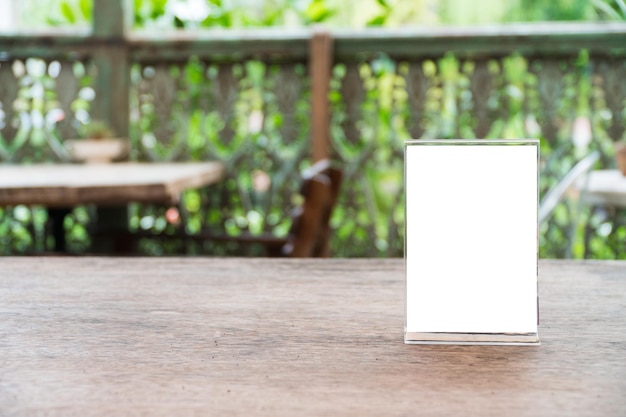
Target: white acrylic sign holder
{"type": "Point", "coordinates": [471, 241]}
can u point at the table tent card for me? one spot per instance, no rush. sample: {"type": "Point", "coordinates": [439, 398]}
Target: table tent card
{"type": "Point", "coordinates": [471, 241]}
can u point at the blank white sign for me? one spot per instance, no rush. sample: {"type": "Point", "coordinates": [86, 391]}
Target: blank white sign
{"type": "Point", "coordinates": [471, 236]}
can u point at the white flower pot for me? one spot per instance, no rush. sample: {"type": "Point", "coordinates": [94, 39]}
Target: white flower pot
{"type": "Point", "coordinates": [97, 150]}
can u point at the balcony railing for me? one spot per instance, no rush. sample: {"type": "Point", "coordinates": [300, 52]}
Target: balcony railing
{"type": "Point", "coordinates": [246, 97]}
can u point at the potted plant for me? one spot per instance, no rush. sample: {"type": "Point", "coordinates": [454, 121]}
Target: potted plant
{"type": "Point", "coordinates": [97, 144]}
{"type": "Point", "coordinates": [620, 156]}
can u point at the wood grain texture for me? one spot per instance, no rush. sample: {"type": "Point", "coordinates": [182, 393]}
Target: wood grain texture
{"type": "Point", "coordinates": [184, 337]}
{"type": "Point", "coordinates": [106, 184]}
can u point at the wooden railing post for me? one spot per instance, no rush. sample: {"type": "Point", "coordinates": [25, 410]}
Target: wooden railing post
{"type": "Point", "coordinates": [111, 20]}
{"type": "Point", "coordinates": [320, 68]}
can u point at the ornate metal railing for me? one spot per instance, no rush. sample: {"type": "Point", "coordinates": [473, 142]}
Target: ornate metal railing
{"type": "Point", "coordinates": [245, 98]}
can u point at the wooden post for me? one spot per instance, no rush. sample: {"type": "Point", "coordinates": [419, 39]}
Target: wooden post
{"type": "Point", "coordinates": [111, 20]}
{"type": "Point", "coordinates": [320, 68]}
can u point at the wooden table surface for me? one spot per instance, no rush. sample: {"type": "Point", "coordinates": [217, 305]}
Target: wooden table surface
{"type": "Point", "coordinates": [66, 185]}
{"type": "Point", "coordinates": [229, 337]}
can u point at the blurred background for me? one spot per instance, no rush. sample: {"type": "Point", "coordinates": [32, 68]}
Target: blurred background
{"type": "Point", "coordinates": [36, 14]}
{"type": "Point", "coordinates": [251, 109]}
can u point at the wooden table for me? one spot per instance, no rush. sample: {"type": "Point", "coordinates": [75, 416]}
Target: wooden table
{"type": "Point", "coordinates": [605, 188]}
{"type": "Point", "coordinates": [267, 337]}
{"type": "Point", "coordinates": [62, 186]}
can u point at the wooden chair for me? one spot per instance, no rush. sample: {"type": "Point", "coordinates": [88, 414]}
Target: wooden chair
{"type": "Point", "coordinates": [310, 232]}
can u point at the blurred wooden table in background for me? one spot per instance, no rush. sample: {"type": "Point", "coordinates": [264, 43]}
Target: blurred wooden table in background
{"type": "Point", "coordinates": [111, 186]}
{"type": "Point", "coordinates": [65, 185]}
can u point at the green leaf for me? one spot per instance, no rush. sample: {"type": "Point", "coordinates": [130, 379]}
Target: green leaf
{"type": "Point", "coordinates": [85, 9]}
{"type": "Point", "coordinates": [158, 8]}
{"type": "Point", "coordinates": [67, 12]}
{"type": "Point", "coordinates": [178, 23]}
{"type": "Point", "coordinates": [378, 20]}
{"type": "Point", "coordinates": [318, 12]}
{"type": "Point", "coordinates": [384, 4]}
{"type": "Point", "coordinates": [53, 21]}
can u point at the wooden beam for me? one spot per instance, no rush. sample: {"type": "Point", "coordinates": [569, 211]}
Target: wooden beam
{"type": "Point", "coordinates": [112, 18]}
{"type": "Point", "coordinates": [320, 68]}
{"type": "Point", "coordinates": [483, 41]}
{"type": "Point", "coordinates": [112, 82]}
{"type": "Point", "coordinates": [552, 38]}
{"type": "Point", "coordinates": [112, 105]}
{"type": "Point", "coordinates": [271, 43]}
{"type": "Point", "coordinates": [219, 44]}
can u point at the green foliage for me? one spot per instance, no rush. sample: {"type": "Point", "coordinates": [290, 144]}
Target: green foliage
{"type": "Point", "coordinates": [180, 14]}
{"type": "Point", "coordinates": [369, 124]}
{"type": "Point", "coordinates": [381, 18]}
{"type": "Point", "coordinates": [148, 11]}
{"type": "Point", "coordinates": [610, 9]}
{"type": "Point", "coordinates": [556, 10]}
{"type": "Point", "coordinates": [337, 13]}
{"type": "Point", "coordinates": [234, 14]}
{"type": "Point", "coordinates": [317, 12]}
{"type": "Point", "coordinates": [71, 12]}
{"type": "Point", "coordinates": [96, 129]}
